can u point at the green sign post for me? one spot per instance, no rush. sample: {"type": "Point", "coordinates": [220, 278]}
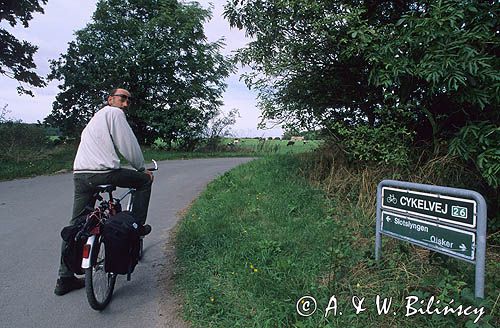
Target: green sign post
{"type": "Point", "coordinates": [451, 221]}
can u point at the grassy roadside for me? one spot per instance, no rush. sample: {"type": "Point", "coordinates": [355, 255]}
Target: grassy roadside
{"type": "Point", "coordinates": [48, 160]}
{"type": "Point", "coordinates": [61, 159]}
{"type": "Point", "coordinates": [43, 162]}
{"type": "Point", "coordinates": [261, 237]}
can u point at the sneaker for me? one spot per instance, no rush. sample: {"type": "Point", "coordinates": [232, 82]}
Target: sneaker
{"type": "Point", "coordinates": [145, 230]}
{"type": "Point", "coordinates": [66, 284]}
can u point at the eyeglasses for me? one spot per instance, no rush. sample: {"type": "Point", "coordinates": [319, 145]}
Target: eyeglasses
{"type": "Point", "coordinates": [123, 98]}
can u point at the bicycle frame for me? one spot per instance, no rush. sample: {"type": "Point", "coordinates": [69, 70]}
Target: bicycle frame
{"type": "Point", "coordinates": [130, 192]}
{"type": "Point", "coordinates": [88, 249]}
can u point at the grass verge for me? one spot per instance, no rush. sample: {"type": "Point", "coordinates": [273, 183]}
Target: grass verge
{"type": "Point", "coordinates": [49, 160]}
{"type": "Point", "coordinates": [261, 237]}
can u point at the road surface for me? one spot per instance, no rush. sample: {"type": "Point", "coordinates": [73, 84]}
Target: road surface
{"type": "Point", "coordinates": [32, 214]}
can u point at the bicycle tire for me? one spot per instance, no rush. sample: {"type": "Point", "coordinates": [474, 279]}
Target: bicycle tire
{"type": "Point", "coordinates": [99, 285]}
{"type": "Point", "coordinates": [141, 247]}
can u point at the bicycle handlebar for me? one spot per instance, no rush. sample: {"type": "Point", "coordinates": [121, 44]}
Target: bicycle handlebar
{"type": "Point", "coordinates": [153, 168]}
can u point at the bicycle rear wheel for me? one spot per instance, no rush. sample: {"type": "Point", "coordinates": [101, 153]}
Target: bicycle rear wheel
{"type": "Point", "coordinates": [141, 247]}
{"type": "Point", "coordinates": [99, 285]}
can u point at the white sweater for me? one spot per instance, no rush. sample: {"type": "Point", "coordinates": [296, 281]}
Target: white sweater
{"type": "Point", "coordinates": [105, 131]}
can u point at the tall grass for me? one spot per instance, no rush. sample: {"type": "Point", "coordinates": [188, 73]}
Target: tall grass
{"type": "Point", "coordinates": [262, 236]}
{"type": "Point", "coordinates": [424, 273]}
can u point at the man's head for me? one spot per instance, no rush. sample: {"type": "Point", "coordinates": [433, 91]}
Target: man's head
{"type": "Point", "coordinates": [120, 98]}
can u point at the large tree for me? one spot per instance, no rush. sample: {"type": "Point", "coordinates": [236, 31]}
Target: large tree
{"type": "Point", "coordinates": [158, 51]}
{"type": "Point", "coordinates": [16, 57]}
{"type": "Point", "coordinates": [426, 66]}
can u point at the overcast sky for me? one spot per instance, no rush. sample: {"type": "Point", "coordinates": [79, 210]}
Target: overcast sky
{"type": "Point", "coordinates": [52, 31]}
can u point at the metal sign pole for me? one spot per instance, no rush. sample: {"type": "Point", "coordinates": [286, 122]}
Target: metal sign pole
{"type": "Point", "coordinates": [481, 246]}
{"type": "Point", "coordinates": [378, 236]}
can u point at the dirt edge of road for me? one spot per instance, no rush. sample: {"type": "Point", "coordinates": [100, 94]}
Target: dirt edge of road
{"type": "Point", "coordinates": [170, 302]}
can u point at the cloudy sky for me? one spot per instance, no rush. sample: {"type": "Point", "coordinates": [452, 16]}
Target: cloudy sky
{"type": "Point", "coordinates": [52, 31]}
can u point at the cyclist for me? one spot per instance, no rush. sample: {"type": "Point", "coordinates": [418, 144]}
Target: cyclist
{"type": "Point", "coordinates": [97, 163]}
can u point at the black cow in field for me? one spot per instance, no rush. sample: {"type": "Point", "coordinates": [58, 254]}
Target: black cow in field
{"type": "Point", "coordinates": [290, 143]}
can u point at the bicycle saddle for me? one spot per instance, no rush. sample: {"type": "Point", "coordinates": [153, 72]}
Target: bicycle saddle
{"type": "Point", "coordinates": [106, 188]}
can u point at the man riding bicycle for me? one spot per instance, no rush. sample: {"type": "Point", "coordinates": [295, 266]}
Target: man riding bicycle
{"type": "Point", "coordinates": [97, 163]}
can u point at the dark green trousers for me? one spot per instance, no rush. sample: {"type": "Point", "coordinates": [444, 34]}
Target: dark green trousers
{"type": "Point", "coordinates": [84, 189]}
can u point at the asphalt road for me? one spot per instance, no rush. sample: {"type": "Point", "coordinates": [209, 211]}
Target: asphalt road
{"type": "Point", "coordinates": [32, 213]}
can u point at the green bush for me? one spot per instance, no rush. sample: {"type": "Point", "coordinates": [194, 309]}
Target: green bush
{"type": "Point", "coordinates": [159, 144]}
{"type": "Point", "coordinates": [480, 144]}
{"type": "Point", "coordinates": [386, 144]}
{"type": "Point", "coordinates": [20, 141]}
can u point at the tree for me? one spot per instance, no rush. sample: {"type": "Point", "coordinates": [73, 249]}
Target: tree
{"type": "Point", "coordinates": [299, 70]}
{"type": "Point", "coordinates": [158, 51]}
{"type": "Point", "coordinates": [16, 57]}
{"type": "Point", "coordinates": [442, 65]}
{"type": "Point", "coordinates": [219, 127]}
{"type": "Point", "coordinates": [421, 66]}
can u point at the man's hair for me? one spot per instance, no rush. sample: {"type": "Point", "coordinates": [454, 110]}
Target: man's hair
{"type": "Point", "coordinates": [112, 92]}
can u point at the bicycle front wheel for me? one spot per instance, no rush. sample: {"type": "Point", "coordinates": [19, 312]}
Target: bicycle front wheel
{"type": "Point", "coordinates": [99, 285]}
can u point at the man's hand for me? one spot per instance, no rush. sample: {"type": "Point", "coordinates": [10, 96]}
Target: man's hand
{"type": "Point", "coordinates": [151, 176]}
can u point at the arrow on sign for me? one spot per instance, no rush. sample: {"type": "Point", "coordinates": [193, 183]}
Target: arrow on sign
{"type": "Point", "coordinates": [388, 218]}
{"type": "Point", "coordinates": [463, 248]}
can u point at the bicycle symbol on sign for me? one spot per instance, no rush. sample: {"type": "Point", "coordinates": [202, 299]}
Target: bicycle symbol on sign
{"type": "Point", "coordinates": [392, 199]}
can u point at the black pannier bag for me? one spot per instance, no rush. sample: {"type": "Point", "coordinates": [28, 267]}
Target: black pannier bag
{"type": "Point", "coordinates": [121, 242]}
{"type": "Point", "coordinates": [73, 249]}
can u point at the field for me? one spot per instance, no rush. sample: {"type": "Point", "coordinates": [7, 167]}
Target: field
{"type": "Point", "coordinates": [36, 157]}
{"type": "Point", "coordinates": [260, 146]}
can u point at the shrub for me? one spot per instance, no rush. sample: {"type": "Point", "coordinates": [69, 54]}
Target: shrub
{"type": "Point", "coordinates": [159, 144]}
{"type": "Point", "coordinates": [387, 144]}
{"type": "Point", "coordinates": [479, 143]}
{"type": "Point", "coordinates": [20, 141]}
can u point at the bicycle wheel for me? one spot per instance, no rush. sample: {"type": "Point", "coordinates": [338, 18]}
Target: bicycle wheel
{"type": "Point", "coordinates": [141, 247]}
{"type": "Point", "coordinates": [99, 284]}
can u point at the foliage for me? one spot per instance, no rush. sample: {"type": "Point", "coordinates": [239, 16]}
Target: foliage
{"type": "Point", "coordinates": [19, 141]}
{"type": "Point", "coordinates": [158, 51]}
{"type": "Point", "coordinates": [261, 237]}
{"type": "Point", "coordinates": [443, 60]}
{"type": "Point", "coordinates": [218, 128]}
{"type": "Point", "coordinates": [4, 112]}
{"type": "Point", "coordinates": [480, 144]}
{"type": "Point", "coordinates": [388, 144]}
{"type": "Point", "coordinates": [159, 144]}
{"type": "Point", "coordinates": [425, 66]}
{"type": "Point", "coordinates": [16, 57]}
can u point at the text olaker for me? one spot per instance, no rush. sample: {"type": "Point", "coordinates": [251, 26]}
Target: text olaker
{"type": "Point", "coordinates": [444, 239]}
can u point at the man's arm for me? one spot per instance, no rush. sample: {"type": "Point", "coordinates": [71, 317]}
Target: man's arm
{"type": "Point", "coordinates": [125, 140]}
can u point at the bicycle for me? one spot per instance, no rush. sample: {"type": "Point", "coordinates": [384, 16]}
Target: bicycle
{"type": "Point", "coordinates": [99, 284]}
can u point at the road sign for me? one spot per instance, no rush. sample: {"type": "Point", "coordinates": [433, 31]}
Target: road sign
{"type": "Point", "coordinates": [448, 220]}
{"type": "Point", "coordinates": [441, 238]}
{"type": "Point", "coordinates": [445, 209]}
